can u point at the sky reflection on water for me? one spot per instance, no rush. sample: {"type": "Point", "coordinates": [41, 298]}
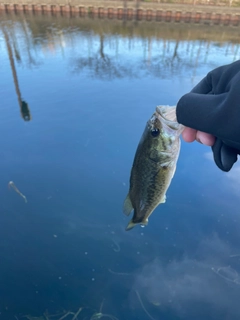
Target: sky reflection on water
{"type": "Point", "coordinates": [90, 86]}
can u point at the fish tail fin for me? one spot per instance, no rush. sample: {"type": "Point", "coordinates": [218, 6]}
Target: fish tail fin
{"type": "Point", "coordinates": [133, 224]}
{"type": "Point", "coordinates": [127, 206]}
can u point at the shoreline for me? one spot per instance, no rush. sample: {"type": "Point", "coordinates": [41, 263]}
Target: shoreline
{"type": "Point", "coordinates": [131, 10]}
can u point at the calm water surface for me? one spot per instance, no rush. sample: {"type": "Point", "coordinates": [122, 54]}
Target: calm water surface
{"type": "Point", "coordinates": [89, 86]}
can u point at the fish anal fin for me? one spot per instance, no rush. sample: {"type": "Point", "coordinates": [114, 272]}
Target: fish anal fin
{"type": "Point", "coordinates": [127, 206]}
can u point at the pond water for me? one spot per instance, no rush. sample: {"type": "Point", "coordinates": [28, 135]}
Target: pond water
{"type": "Point", "coordinates": [76, 94]}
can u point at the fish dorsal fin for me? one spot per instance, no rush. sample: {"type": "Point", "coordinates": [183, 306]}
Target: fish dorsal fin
{"type": "Point", "coordinates": [127, 206]}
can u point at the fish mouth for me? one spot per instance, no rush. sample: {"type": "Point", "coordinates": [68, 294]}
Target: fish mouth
{"type": "Point", "coordinates": [167, 116]}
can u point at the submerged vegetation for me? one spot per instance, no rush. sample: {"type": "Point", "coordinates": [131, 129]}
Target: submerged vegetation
{"type": "Point", "coordinates": [70, 315]}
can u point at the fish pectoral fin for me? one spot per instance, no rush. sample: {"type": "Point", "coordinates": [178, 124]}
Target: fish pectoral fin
{"type": "Point", "coordinates": [127, 206]}
{"type": "Point", "coordinates": [133, 224]}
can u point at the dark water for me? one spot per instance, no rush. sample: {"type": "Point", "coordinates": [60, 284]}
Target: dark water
{"type": "Point", "coordinates": [89, 86]}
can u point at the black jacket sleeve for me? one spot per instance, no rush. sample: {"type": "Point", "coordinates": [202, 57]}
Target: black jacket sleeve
{"type": "Point", "coordinates": [213, 106]}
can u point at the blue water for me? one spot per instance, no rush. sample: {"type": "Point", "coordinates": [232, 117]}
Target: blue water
{"type": "Point", "coordinates": [90, 86]}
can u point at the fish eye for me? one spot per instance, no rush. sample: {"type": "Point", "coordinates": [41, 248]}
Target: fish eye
{"type": "Point", "coordinates": [155, 132]}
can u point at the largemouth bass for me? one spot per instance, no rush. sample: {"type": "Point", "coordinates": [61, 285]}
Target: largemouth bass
{"type": "Point", "coordinates": [154, 165]}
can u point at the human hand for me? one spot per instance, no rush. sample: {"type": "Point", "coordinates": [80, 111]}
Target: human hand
{"type": "Point", "coordinates": [190, 135]}
{"type": "Point", "coordinates": [211, 114]}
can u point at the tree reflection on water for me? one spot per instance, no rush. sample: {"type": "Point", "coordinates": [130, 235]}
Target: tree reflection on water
{"type": "Point", "coordinates": [109, 49]}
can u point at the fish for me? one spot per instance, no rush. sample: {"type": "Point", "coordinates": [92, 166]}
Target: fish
{"type": "Point", "coordinates": [154, 165]}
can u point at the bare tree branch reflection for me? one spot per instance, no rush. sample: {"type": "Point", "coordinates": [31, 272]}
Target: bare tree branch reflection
{"type": "Point", "coordinates": [175, 54]}
{"type": "Point", "coordinates": [100, 65]}
{"type": "Point", "coordinates": [31, 60]}
{"type": "Point", "coordinates": [101, 46]}
{"type": "Point", "coordinates": [117, 49]}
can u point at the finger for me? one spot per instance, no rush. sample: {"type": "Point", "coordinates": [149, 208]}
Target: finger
{"type": "Point", "coordinates": [189, 134]}
{"type": "Point", "coordinates": [205, 138]}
